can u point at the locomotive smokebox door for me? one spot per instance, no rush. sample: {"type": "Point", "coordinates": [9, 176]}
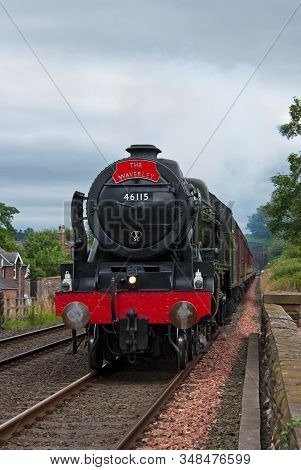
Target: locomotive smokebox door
{"type": "Point", "coordinates": [133, 333]}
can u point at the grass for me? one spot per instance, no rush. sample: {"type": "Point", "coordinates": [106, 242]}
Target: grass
{"type": "Point", "coordinates": [284, 272]}
{"type": "Point", "coordinates": [41, 313]}
{"type": "Point", "coordinates": [266, 284]}
{"type": "Point", "coordinates": [32, 320]}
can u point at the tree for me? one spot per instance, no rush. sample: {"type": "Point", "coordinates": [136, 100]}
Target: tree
{"type": "Point", "coordinates": [7, 239]}
{"type": "Point", "coordinates": [42, 250]}
{"type": "Point", "coordinates": [20, 235]}
{"type": "Point", "coordinates": [293, 128]}
{"type": "Point", "coordinates": [257, 224]}
{"type": "Point", "coordinates": [276, 248]}
{"type": "Point", "coordinates": [284, 208]}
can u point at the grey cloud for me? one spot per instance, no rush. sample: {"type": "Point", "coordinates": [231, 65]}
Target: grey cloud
{"type": "Point", "coordinates": [143, 72]}
{"type": "Point", "coordinates": [49, 163]}
{"type": "Point", "coordinates": [217, 31]}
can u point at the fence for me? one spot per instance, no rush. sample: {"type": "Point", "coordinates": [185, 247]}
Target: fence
{"type": "Point", "coordinates": [25, 307]}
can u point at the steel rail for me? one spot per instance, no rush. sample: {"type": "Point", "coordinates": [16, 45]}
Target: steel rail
{"type": "Point", "coordinates": [36, 350]}
{"type": "Point", "coordinates": [31, 333]}
{"type": "Point", "coordinates": [15, 424]}
{"type": "Point", "coordinates": [137, 429]}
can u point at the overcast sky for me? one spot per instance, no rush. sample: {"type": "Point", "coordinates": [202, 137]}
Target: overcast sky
{"type": "Point", "coordinates": [159, 72]}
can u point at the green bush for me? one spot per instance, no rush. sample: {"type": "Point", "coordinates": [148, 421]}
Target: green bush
{"type": "Point", "coordinates": [286, 269]}
{"type": "Point", "coordinates": [292, 252]}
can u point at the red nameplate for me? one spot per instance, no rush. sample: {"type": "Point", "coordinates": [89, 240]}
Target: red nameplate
{"type": "Point", "coordinates": [133, 169]}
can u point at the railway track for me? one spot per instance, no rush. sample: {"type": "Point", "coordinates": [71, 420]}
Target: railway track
{"type": "Point", "coordinates": [132, 436]}
{"type": "Point", "coordinates": [28, 334]}
{"type": "Point", "coordinates": [32, 342]}
{"type": "Point", "coordinates": [15, 424]}
{"type": "Point", "coordinates": [30, 352]}
{"type": "Point", "coordinates": [27, 381]}
{"type": "Point", "coordinates": [121, 438]}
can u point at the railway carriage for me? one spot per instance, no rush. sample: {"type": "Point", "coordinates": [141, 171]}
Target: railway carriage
{"type": "Point", "coordinates": [167, 264]}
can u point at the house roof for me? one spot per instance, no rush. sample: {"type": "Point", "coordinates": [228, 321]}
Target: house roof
{"type": "Point", "coordinates": [9, 257]}
{"type": "Point", "coordinates": [6, 285]}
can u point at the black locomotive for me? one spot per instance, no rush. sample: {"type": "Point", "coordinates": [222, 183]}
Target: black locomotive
{"type": "Point", "coordinates": [168, 261]}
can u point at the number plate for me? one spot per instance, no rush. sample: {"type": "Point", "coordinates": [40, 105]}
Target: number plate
{"type": "Point", "coordinates": [138, 197]}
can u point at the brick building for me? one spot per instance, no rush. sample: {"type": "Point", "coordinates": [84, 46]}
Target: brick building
{"type": "Point", "coordinates": [67, 246]}
{"type": "Point", "coordinates": [10, 292]}
{"type": "Point", "coordinates": [13, 271]}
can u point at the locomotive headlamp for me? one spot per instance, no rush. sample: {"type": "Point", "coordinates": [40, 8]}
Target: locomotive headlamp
{"type": "Point", "coordinates": [183, 315]}
{"type": "Point", "coordinates": [67, 282]}
{"type": "Point", "coordinates": [65, 286]}
{"type": "Point", "coordinates": [132, 275]}
{"type": "Point", "coordinates": [76, 315]}
{"type": "Point", "coordinates": [132, 280]}
{"type": "Point", "coordinates": [198, 281]}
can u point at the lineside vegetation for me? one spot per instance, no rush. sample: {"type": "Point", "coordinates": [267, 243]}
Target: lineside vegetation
{"type": "Point", "coordinates": [282, 216]}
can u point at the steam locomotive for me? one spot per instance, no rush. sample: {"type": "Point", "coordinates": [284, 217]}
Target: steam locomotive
{"type": "Point", "coordinates": [167, 264]}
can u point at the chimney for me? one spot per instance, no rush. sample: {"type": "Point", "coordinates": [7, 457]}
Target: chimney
{"type": "Point", "coordinates": [143, 151]}
{"type": "Point", "coordinates": [62, 236]}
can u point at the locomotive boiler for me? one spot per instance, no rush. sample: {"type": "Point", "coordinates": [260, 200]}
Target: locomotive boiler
{"type": "Point", "coordinates": [167, 264]}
